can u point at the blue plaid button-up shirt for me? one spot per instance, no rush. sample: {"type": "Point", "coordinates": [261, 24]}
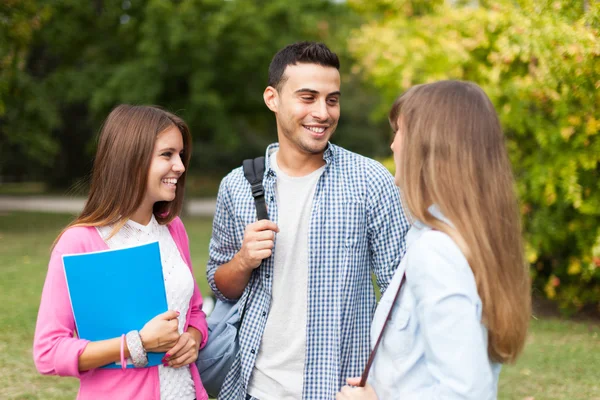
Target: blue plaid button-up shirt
{"type": "Point", "coordinates": [356, 227]}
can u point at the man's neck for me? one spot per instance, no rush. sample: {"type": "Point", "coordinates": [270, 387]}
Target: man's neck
{"type": "Point", "coordinates": [294, 162]}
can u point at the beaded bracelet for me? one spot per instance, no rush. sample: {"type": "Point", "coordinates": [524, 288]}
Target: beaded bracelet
{"type": "Point", "coordinates": [123, 362]}
{"type": "Point", "coordinates": [136, 349]}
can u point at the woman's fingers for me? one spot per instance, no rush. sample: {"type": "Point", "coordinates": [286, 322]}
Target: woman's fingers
{"type": "Point", "coordinates": [160, 331]}
{"type": "Point", "coordinates": [176, 350]}
{"type": "Point", "coordinates": [356, 393]}
{"type": "Point", "coordinates": [167, 315]}
{"type": "Point", "coordinates": [353, 381]}
{"type": "Point", "coordinates": [165, 348]}
{"type": "Point", "coordinates": [186, 355]}
{"type": "Point", "coordinates": [184, 360]}
{"type": "Point", "coordinates": [184, 352]}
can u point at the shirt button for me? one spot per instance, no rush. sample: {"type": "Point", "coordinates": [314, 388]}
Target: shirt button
{"type": "Point", "coordinates": [264, 314]}
{"type": "Point", "coordinates": [253, 351]}
{"type": "Point", "coordinates": [272, 198]}
{"type": "Point", "coordinates": [268, 276]}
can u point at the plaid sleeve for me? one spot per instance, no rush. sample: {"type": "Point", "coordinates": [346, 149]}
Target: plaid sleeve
{"type": "Point", "coordinates": [387, 226]}
{"type": "Point", "coordinates": [223, 245]}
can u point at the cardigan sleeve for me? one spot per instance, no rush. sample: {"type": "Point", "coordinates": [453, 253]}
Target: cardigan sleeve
{"type": "Point", "coordinates": [55, 350]}
{"type": "Point", "coordinates": [196, 316]}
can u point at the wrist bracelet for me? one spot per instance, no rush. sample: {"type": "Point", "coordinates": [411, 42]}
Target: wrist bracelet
{"type": "Point", "coordinates": [123, 362]}
{"type": "Point", "coordinates": [136, 349]}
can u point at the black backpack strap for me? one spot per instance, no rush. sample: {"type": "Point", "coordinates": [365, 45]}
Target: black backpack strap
{"type": "Point", "coordinates": [254, 171]}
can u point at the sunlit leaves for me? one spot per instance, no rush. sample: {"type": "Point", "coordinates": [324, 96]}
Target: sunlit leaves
{"type": "Point", "coordinates": [539, 61]}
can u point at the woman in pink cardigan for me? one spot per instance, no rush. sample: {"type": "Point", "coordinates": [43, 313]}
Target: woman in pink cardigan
{"type": "Point", "coordinates": [135, 197]}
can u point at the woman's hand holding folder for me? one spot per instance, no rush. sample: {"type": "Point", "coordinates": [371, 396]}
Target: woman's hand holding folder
{"type": "Point", "coordinates": [185, 351]}
{"type": "Point", "coordinates": [160, 334]}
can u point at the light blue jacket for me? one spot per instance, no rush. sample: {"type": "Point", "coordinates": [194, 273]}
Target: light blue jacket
{"type": "Point", "coordinates": [435, 346]}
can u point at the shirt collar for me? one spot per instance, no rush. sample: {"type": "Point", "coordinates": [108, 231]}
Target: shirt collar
{"type": "Point", "coordinates": [435, 211]}
{"type": "Point", "coordinates": [418, 228]}
{"type": "Point", "coordinates": [328, 155]}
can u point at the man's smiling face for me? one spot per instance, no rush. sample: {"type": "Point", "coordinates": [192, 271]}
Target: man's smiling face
{"type": "Point", "coordinates": [308, 107]}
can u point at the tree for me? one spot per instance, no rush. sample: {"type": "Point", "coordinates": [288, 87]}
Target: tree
{"type": "Point", "coordinates": [205, 60]}
{"type": "Point", "coordinates": [539, 62]}
{"type": "Point", "coordinates": [25, 122]}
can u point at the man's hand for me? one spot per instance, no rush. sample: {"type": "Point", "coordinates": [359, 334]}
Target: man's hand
{"type": "Point", "coordinates": [232, 277]}
{"type": "Point", "coordinates": [259, 239]}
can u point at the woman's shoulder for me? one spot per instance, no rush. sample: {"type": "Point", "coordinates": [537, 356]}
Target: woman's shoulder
{"type": "Point", "coordinates": [435, 253]}
{"type": "Point", "coordinates": [176, 225]}
{"type": "Point", "coordinates": [429, 240]}
{"type": "Point", "coordinates": [437, 268]}
{"type": "Point", "coordinates": [177, 229]}
{"type": "Point", "coordinates": [77, 239]}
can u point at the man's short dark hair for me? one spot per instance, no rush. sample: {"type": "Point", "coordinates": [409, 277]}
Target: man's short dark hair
{"type": "Point", "coordinates": [301, 52]}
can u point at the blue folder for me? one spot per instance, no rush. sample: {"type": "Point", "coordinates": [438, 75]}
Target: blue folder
{"type": "Point", "coordinates": [115, 291]}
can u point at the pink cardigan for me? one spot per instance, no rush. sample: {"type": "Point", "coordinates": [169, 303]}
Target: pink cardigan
{"type": "Point", "coordinates": [56, 351]}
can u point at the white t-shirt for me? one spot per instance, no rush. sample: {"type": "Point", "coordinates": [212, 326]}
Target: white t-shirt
{"type": "Point", "coordinates": [278, 373]}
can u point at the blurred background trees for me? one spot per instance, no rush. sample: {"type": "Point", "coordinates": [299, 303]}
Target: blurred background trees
{"type": "Point", "coordinates": [65, 63]}
{"type": "Point", "coordinates": [539, 61]}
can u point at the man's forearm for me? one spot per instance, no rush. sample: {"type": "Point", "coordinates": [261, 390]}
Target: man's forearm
{"type": "Point", "coordinates": [231, 278]}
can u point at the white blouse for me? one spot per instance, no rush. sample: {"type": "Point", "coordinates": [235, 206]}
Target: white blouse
{"type": "Point", "coordinates": [175, 383]}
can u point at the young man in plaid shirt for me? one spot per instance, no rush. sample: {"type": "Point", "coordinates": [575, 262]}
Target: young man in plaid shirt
{"type": "Point", "coordinates": [335, 217]}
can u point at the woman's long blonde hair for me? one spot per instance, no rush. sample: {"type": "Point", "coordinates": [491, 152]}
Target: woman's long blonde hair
{"type": "Point", "coordinates": [453, 155]}
{"type": "Point", "coordinates": [120, 172]}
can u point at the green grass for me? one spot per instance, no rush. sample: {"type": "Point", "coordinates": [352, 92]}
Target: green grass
{"type": "Point", "coordinates": [561, 360]}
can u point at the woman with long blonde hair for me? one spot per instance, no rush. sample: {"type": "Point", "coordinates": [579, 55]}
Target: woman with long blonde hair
{"type": "Point", "coordinates": [135, 197]}
{"type": "Point", "coordinates": [464, 306]}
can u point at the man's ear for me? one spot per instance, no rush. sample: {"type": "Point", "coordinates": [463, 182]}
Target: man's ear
{"type": "Point", "coordinates": [271, 97]}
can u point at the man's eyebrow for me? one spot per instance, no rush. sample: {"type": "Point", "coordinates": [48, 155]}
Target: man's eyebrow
{"type": "Point", "coordinates": [312, 91]}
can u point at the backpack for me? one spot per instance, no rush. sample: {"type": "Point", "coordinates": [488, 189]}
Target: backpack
{"type": "Point", "coordinates": [215, 359]}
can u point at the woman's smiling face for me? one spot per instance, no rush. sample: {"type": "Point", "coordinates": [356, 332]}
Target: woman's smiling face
{"type": "Point", "coordinates": [166, 166]}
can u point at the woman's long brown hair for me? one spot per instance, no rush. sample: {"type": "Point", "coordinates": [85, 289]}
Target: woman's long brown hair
{"type": "Point", "coordinates": [120, 172]}
{"type": "Point", "coordinates": [453, 155]}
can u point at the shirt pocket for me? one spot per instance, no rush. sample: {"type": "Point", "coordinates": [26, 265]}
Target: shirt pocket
{"type": "Point", "coordinates": [398, 339]}
{"type": "Point", "coordinates": [354, 216]}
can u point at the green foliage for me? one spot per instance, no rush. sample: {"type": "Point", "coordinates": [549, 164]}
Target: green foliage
{"type": "Point", "coordinates": [208, 61]}
{"type": "Point", "coordinates": [24, 119]}
{"type": "Point", "coordinates": [72, 61]}
{"type": "Point", "coordinates": [539, 61]}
